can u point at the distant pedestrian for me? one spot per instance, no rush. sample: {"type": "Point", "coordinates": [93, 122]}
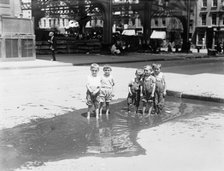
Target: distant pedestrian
{"type": "Point", "coordinates": [52, 43]}
{"type": "Point", "coordinates": [148, 90]}
{"type": "Point", "coordinates": [134, 90]}
{"type": "Point", "coordinates": [106, 90]}
{"type": "Point", "coordinates": [115, 50]}
{"type": "Point", "coordinates": [169, 46]}
{"type": "Point", "coordinates": [160, 91]}
{"type": "Point", "coordinates": [223, 47]}
{"type": "Point", "coordinates": [219, 47]}
{"type": "Point", "coordinates": [93, 90]}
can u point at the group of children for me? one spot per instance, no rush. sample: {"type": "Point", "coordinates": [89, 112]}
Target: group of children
{"type": "Point", "coordinates": [148, 86]}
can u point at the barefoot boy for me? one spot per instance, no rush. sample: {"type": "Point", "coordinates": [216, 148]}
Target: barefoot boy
{"type": "Point", "coordinates": [106, 92]}
{"type": "Point", "coordinates": [160, 91]}
{"type": "Point", "coordinates": [93, 90]}
{"type": "Point", "coordinates": [134, 90]}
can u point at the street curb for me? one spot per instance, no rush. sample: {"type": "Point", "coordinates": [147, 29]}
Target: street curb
{"type": "Point", "coordinates": [88, 63]}
{"type": "Point", "coordinates": [126, 61]}
{"type": "Point", "coordinates": [30, 67]}
{"type": "Point", "coordinates": [195, 97]}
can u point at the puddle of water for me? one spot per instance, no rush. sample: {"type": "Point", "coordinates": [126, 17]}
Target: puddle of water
{"type": "Point", "coordinates": [72, 136]}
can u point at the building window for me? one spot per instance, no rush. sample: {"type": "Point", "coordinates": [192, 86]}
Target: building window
{"type": "Point", "coordinates": [204, 3]}
{"type": "Point", "coordinates": [44, 23]}
{"type": "Point", "coordinates": [63, 22]}
{"type": "Point", "coordinates": [49, 22]}
{"type": "Point", "coordinates": [213, 19]}
{"type": "Point", "coordinates": [214, 4]}
{"type": "Point", "coordinates": [160, 2]}
{"type": "Point", "coordinates": [156, 22]}
{"type": "Point", "coordinates": [203, 19]}
{"type": "Point", "coordinates": [201, 38]}
{"type": "Point", "coordinates": [164, 21]}
{"type": "Point", "coordinates": [191, 23]}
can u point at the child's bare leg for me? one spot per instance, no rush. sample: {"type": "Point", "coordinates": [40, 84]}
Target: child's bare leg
{"type": "Point", "coordinates": [107, 108]}
{"type": "Point", "coordinates": [97, 106]}
{"type": "Point", "coordinates": [129, 107]}
{"type": "Point", "coordinates": [88, 112]}
{"type": "Point", "coordinates": [136, 109]}
{"type": "Point", "coordinates": [97, 113]}
{"type": "Point", "coordinates": [101, 108]}
{"type": "Point", "coordinates": [150, 109]}
{"type": "Point", "coordinates": [144, 108]}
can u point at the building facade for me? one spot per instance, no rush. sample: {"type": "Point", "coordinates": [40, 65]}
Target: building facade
{"type": "Point", "coordinates": [26, 9]}
{"type": "Point", "coordinates": [17, 39]}
{"type": "Point", "coordinates": [63, 21]}
{"type": "Point", "coordinates": [10, 8]}
{"type": "Point", "coordinates": [209, 23]}
{"type": "Point", "coordinates": [166, 20]}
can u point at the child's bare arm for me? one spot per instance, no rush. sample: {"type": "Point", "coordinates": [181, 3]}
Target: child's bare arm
{"type": "Point", "coordinates": [96, 91]}
{"type": "Point", "coordinates": [113, 90]}
{"type": "Point", "coordinates": [129, 89]}
{"type": "Point", "coordinates": [89, 88]}
{"type": "Point", "coordinates": [141, 90]}
{"type": "Point", "coordinates": [164, 85]}
{"type": "Point", "coordinates": [153, 88]}
{"type": "Point", "coordinates": [113, 82]}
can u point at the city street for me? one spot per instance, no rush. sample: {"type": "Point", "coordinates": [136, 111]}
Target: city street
{"type": "Point", "coordinates": [43, 123]}
{"type": "Point", "coordinates": [46, 50]}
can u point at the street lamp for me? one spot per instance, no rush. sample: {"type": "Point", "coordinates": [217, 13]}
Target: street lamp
{"type": "Point", "coordinates": [188, 19]}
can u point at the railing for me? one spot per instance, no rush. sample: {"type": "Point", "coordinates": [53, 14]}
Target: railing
{"type": "Point", "coordinates": [70, 45]}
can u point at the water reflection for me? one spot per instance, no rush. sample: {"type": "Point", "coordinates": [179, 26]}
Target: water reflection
{"type": "Point", "coordinates": [112, 135]}
{"type": "Point", "coordinates": [72, 135]}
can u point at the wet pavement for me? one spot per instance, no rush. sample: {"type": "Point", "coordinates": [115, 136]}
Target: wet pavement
{"type": "Point", "coordinates": [71, 135]}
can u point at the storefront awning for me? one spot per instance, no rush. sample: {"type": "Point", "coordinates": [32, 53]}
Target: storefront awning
{"type": "Point", "coordinates": [158, 35]}
{"type": "Point", "coordinates": [128, 32]}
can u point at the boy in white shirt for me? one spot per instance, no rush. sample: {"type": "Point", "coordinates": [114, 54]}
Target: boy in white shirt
{"type": "Point", "coordinates": [106, 92]}
{"type": "Point", "coordinates": [93, 90]}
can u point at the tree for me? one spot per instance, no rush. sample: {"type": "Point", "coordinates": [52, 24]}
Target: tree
{"type": "Point", "coordinates": [79, 10]}
{"type": "Point", "coordinates": [37, 10]}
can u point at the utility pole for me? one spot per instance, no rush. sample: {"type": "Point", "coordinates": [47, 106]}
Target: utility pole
{"type": "Point", "coordinates": [107, 33]}
{"type": "Point", "coordinates": [188, 18]}
{"type": "Point", "coordinates": [188, 25]}
{"type": "Point", "coordinates": [147, 20]}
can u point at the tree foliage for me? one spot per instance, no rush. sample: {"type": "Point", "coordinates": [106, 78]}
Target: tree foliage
{"type": "Point", "coordinates": [37, 12]}
{"type": "Point", "coordinates": [79, 10]}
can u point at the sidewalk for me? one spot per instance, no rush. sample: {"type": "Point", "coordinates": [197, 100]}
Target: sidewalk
{"type": "Point", "coordinates": [194, 87]}
{"type": "Point", "coordinates": [86, 59]}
